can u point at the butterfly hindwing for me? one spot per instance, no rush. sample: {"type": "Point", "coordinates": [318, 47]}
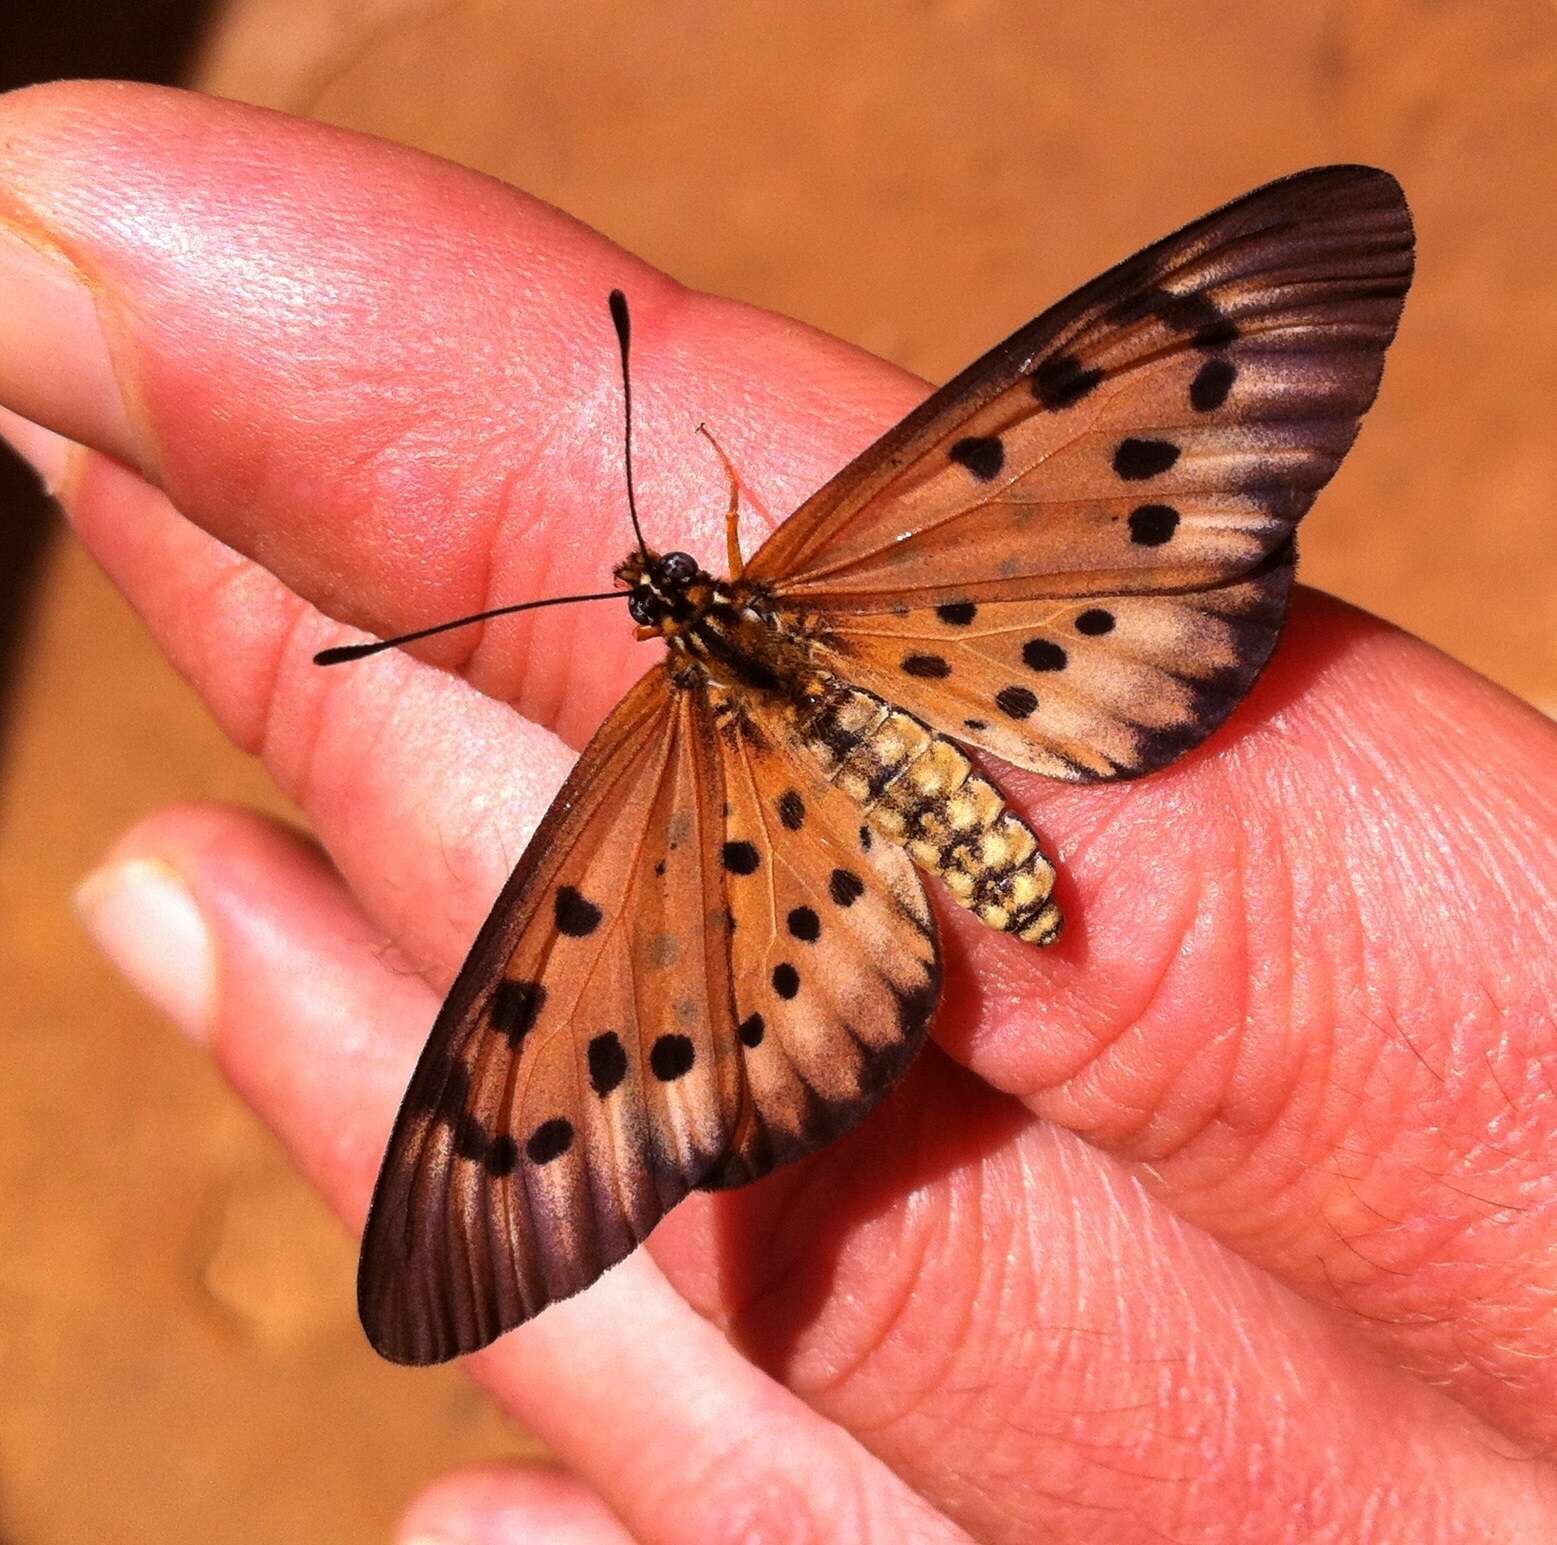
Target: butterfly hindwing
{"type": "Point", "coordinates": [1080, 688]}
{"type": "Point", "coordinates": [1162, 429]}
{"type": "Point", "coordinates": [698, 971]}
{"type": "Point", "coordinates": [834, 953]}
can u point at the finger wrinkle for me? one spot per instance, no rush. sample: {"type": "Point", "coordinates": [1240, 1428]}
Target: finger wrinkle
{"type": "Point", "coordinates": [890, 1324]}
{"type": "Point", "coordinates": [297, 712]}
{"type": "Point", "coordinates": [224, 597]}
{"type": "Point", "coordinates": [87, 333]}
{"type": "Point", "coordinates": [739, 1496]}
{"type": "Point", "coordinates": [488, 667]}
{"type": "Point", "coordinates": [1114, 1092]}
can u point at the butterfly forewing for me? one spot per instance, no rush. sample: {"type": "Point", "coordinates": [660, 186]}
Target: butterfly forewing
{"type": "Point", "coordinates": [1163, 429]}
{"type": "Point", "coordinates": [467, 1232]}
{"type": "Point", "coordinates": [699, 971]}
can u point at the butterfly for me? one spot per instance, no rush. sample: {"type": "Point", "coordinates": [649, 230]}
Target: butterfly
{"type": "Point", "coordinates": [717, 953]}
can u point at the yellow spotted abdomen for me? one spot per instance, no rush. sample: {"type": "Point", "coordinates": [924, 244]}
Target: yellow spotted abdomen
{"type": "Point", "coordinates": [920, 791]}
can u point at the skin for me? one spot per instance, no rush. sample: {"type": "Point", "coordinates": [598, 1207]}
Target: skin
{"type": "Point", "coordinates": [1229, 1217]}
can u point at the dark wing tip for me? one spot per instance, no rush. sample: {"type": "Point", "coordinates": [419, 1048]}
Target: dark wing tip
{"type": "Point", "coordinates": [385, 1306]}
{"type": "Point", "coordinates": [392, 1333]}
{"type": "Point", "coordinates": [1259, 631]}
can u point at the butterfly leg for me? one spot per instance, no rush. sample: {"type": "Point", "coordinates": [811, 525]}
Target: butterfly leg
{"type": "Point", "coordinates": [732, 516]}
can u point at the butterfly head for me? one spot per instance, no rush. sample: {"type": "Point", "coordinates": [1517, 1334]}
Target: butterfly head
{"type": "Point", "coordinates": [666, 592]}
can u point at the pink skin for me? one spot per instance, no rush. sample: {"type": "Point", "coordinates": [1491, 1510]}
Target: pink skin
{"type": "Point", "coordinates": [1228, 1218]}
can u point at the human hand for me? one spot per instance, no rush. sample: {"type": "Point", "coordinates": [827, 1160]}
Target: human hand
{"type": "Point", "coordinates": [1227, 1218]}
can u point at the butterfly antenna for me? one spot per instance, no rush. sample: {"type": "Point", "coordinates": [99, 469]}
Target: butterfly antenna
{"type": "Point", "coordinates": [624, 334]}
{"type": "Point", "coordinates": [345, 652]}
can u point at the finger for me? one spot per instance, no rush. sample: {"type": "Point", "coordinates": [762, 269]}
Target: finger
{"type": "Point", "coordinates": [388, 378]}
{"type": "Point", "coordinates": [997, 1313]}
{"type": "Point", "coordinates": [1310, 995]}
{"type": "Point", "coordinates": [241, 931]}
{"type": "Point", "coordinates": [510, 1505]}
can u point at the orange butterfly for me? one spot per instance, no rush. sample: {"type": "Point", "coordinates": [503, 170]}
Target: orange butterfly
{"type": "Point", "coordinates": [716, 954]}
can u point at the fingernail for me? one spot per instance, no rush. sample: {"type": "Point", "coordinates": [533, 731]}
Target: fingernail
{"type": "Point", "coordinates": [47, 453]}
{"type": "Point", "coordinates": [55, 367]}
{"type": "Point", "coordinates": [144, 919]}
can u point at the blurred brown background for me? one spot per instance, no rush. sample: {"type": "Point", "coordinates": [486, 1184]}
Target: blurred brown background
{"type": "Point", "coordinates": [178, 1354]}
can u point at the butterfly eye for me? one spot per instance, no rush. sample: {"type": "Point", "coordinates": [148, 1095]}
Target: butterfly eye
{"type": "Point", "coordinates": [677, 568]}
{"type": "Point", "coordinates": [643, 607]}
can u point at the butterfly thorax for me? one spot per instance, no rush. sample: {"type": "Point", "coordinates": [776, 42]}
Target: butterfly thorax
{"type": "Point", "coordinates": [724, 627]}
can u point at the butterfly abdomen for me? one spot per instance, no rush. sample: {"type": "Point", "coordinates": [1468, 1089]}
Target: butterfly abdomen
{"type": "Point", "coordinates": [920, 790]}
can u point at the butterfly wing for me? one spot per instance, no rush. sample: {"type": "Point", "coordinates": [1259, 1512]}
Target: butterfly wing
{"type": "Point", "coordinates": [833, 952]}
{"type": "Point", "coordinates": [647, 1010]}
{"type": "Point", "coordinates": [1082, 688]}
{"type": "Point", "coordinates": [1077, 554]}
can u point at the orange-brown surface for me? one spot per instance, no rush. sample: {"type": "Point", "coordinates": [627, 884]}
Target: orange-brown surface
{"type": "Point", "coordinates": [178, 1354]}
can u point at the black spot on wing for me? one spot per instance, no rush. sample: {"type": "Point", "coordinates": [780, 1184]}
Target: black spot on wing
{"type": "Point", "coordinates": [1016, 702]}
{"type": "Point", "coordinates": [671, 1057]}
{"type": "Point", "coordinates": [845, 887]}
{"type": "Point", "coordinates": [792, 809]}
{"type": "Point", "coordinates": [471, 1140]}
{"type": "Point", "coordinates": [1061, 380]}
{"type": "Point", "coordinates": [928, 667]}
{"type": "Point", "coordinates": [502, 1156]}
{"type": "Point", "coordinates": [1216, 335]}
{"type": "Point", "coordinates": [786, 980]}
{"type": "Point", "coordinates": [982, 455]}
{"type": "Point", "coordinates": [1153, 524]}
{"type": "Point", "coordinates": [515, 1007]}
{"type": "Point", "coordinates": [1095, 622]}
{"type": "Point", "coordinates": [1136, 459]}
{"type": "Point", "coordinates": [1196, 314]}
{"type": "Point", "coordinates": [576, 917]}
{"type": "Point", "coordinates": [1185, 313]}
{"type": "Point", "coordinates": [740, 857]}
{"type": "Point", "coordinates": [957, 614]}
{"type": "Point", "coordinates": [1200, 316]}
{"type": "Point", "coordinates": [1043, 654]}
{"type": "Point", "coordinates": [550, 1140]}
{"type": "Point", "coordinates": [607, 1062]}
{"type": "Point", "coordinates": [804, 924]}
{"type": "Point", "coordinates": [752, 1030]}
{"type": "Point", "coordinates": [1213, 381]}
